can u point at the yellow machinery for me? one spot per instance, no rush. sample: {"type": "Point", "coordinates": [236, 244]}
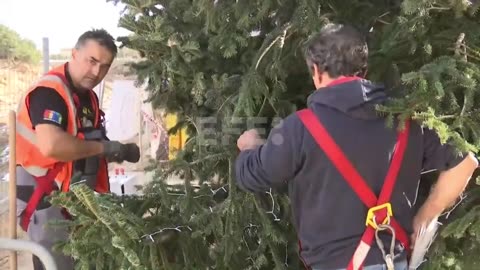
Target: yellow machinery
{"type": "Point", "coordinates": [177, 140]}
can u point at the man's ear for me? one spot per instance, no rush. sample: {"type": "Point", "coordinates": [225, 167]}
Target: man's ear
{"type": "Point", "coordinates": [74, 53]}
{"type": "Point", "coordinates": [362, 73]}
{"type": "Point", "coordinates": [317, 74]}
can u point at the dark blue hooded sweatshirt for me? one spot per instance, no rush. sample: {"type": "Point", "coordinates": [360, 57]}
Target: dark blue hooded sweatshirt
{"type": "Point", "coordinates": [327, 214]}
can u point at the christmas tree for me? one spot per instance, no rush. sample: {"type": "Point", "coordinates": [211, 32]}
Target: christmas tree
{"type": "Point", "coordinates": [225, 66]}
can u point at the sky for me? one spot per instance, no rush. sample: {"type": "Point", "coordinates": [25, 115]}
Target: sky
{"type": "Point", "coordinates": [62, 21]}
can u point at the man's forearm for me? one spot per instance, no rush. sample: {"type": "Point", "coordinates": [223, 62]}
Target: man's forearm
{"type": "Point", "coordinates": [65, 147]}
{"type": "Point", "coordinates": [257, 174]}
{"type": "Point", "coordinates": [449, 187]}
{"type": "Point", "coordinates": [249, 174]}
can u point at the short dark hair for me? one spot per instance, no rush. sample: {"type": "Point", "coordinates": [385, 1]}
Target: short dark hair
{"type": "Point", "coordinates": [101, 36]}
{"type": "Point", "coordinates": [338, 49]}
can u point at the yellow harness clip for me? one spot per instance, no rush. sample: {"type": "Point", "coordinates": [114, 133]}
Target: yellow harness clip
{"type": "Point", "coordinates": [371, 215]}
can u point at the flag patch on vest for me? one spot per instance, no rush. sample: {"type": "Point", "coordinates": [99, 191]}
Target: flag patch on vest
{"type": "Point", "coordinates": [52, 116]}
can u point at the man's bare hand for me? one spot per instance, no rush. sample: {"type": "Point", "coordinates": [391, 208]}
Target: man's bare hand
{"type": "Point", "coordinates": [422, 219]}
{"type": "Point", "coordinates": [450, 185]}
{"type": "Point", "coordinates": [250, 139]}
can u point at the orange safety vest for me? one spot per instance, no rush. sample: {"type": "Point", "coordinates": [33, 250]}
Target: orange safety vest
{"type": "Point", "coordinates": [27, 153]}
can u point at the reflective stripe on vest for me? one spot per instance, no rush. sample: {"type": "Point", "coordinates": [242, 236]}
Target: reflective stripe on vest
{"type": "Point", "coordinates": [29, 135]}
{"type": "Point", "coordinates": [39, 172]}
{"type": "Point", "coordinates": [26, 133]}
{"type": "Point", "coordinates": [71, 103]}
{"type": "Point", "coordinates": [36, 171]}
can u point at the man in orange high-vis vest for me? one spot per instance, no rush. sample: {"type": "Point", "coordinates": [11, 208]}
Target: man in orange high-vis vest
{"type": "Point", "coordinates": [60, 133]}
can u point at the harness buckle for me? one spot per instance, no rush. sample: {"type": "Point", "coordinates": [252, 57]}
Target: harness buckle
{"type": "Point", "coordinates": [371, 218]}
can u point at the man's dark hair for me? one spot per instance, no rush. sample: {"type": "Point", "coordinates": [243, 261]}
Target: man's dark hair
{"type": "Point", "coordinates": [338, 49]}
{"type": "Point", "coordinates": [101, 36]}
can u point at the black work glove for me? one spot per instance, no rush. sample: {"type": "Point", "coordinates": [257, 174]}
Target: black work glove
{"type": "Point", "coordinates": [115, 151]}
{"type": "Point", "coordinates": [132, 152]}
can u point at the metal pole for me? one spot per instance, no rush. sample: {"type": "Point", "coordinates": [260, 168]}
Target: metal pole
{"type": "Point", "coordinates": [140, 129]}
{"type": "Point", "coordinates": [101, 91]}
{"type": "Point", "coordinates": [46, 55]}
{"type": "Point", "coordinates": [23, 245]}
{"type": "Point", "coordinates": [12, 173]}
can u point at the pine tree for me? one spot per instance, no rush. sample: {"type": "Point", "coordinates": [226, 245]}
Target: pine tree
{"type": "Point", "coordinates": [219, 64]}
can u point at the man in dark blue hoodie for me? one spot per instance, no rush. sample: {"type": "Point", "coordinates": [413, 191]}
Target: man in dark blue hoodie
{"type": "Point", "coordinates": [305, 153]}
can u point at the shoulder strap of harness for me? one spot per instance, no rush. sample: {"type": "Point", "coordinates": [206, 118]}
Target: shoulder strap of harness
{"type": "Point", "coordinates": [380, 210]}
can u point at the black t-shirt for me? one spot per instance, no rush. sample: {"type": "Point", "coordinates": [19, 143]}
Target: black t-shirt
{"type": "Point", "coordinates": [48, 107]}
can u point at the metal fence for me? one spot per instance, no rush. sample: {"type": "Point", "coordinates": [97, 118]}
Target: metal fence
{"type": "Point", "coordinates": [4, 230]}
{"type": "Point", "coordinates": [24, 259]}
{"type": "Point", "coordinates": [15, 79]}
{"type": "Point", "coordinates": [14, 82]}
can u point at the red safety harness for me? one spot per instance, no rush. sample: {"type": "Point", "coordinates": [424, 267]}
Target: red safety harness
{"type": "Point", "coordinates": [380, 209]}
{"type": "Point", "coordinates": [45, 186]}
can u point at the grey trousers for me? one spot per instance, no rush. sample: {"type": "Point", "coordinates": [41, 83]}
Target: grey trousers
{"type": "Point", "coordinates": [37, 230]}
{"type": "Point", "coordinates": [400, 265]}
